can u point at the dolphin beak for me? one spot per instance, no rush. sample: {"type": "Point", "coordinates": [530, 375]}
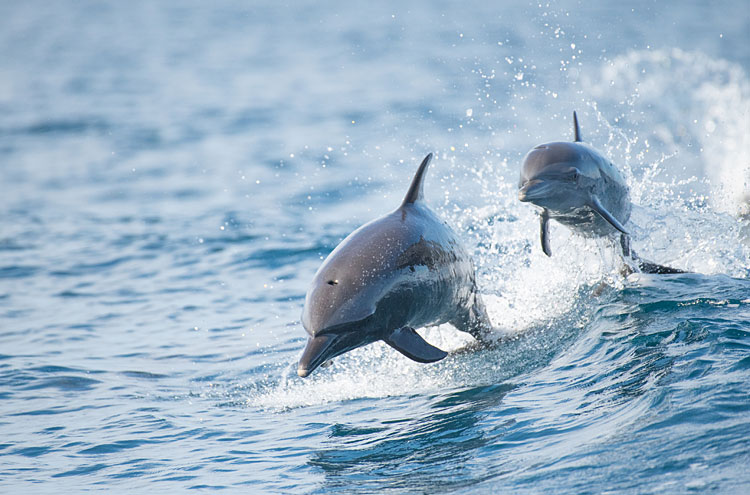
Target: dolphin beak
{"type": "Point", "coordinates": [317, 351]}
{"type": "Point", "coordinates": [535, 189]}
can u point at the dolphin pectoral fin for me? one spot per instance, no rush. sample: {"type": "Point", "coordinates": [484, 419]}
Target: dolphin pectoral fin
{"type": "Point", "coordinates": [409, 343]}
{"type": "Point", "coordinates": [625, 245]}
{"type": "Point", "coordinates": [597, 206]}
{"type": "Point", "coordinates": [544, 231]}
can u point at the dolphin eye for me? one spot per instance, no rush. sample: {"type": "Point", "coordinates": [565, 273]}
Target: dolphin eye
{"type": "Point", "coordinates": [332, 282]}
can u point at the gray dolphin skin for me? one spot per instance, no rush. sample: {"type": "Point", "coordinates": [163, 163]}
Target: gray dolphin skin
{"type": "Point", "coordinates": [402, 271]}
{"type": "Point", "coordinates": [580, 188]}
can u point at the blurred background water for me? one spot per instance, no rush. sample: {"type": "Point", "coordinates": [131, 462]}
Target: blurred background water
{"type": "Point", "coordinates": [173, 173]}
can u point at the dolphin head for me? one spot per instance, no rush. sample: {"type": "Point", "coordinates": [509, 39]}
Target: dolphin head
{"type": "Point", "coordinates": [338, 316]}
{"type": "Point", "coordinates": [558, 176]}
{"type": "Point", "coordinates": [343, 298]}
{"type": "Point", "coordinates": [330, 343]}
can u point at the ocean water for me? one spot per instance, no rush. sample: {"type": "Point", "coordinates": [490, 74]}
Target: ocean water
{"type": "Point", "coordinates": [173, 173]}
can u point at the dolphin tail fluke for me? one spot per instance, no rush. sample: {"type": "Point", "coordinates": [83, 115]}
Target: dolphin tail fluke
{"type": "Point", "coordinates": [415, 192]}
{"type": "Point", "coordinates": [645, 266]}
{"type": "Point", "coordinates": [409, 343]}
{"type": "Point", "coordinates": [649, 267]}
{"type": "Point", "coordinates": [597, 206]}
{"type": "Point", "coordinates": [576, 129]}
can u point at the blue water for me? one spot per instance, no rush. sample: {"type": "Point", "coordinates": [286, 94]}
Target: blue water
{"type": "Point", "coordinates": [173, 173]}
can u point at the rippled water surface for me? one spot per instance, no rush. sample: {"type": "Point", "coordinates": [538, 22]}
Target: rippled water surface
{"type": "Point", "coordinates": [172, 175]}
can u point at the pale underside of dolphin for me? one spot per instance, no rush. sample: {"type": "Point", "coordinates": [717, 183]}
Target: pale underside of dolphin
{"type": "Point", "coordinates": [402, 271]}
{"type": "Point", "coordinates": [580, 188]}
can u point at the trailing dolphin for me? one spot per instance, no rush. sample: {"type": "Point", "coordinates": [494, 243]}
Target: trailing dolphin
{"type": "Point", "coordinates": [580, 188]}
{"type": "Point", "coordinates": [402, 271]}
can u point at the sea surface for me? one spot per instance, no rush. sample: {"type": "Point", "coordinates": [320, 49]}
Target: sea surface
{"type": "Point", "coordinates": [172, 174]}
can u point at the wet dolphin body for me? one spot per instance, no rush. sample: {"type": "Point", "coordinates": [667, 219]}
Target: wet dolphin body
{"type": "Point", "coordinates": [577, 186]}
{"type": "Point", "coordinates": [402, 271]}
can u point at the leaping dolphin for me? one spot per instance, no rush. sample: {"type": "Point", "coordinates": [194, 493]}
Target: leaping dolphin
{"type": "Point", "coordinates": [580, 188]}
{"type": "Point", "coordinates": [402, 271]}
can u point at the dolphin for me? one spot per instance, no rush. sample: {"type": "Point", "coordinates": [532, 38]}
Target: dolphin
{"type": "Point", "coordinates": [402, 271]}
{"type": "Point", "coordinates": [580, 188]}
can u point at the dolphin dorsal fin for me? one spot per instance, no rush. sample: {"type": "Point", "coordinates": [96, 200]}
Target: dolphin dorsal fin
{"type": "Point", "coordinates": [415, 192]}
{"type": "Point", "coordinates": [576, 129]}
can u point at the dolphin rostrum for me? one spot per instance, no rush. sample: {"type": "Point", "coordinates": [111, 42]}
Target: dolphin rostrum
{"type": "Point", "coordinates": [580, 188]}
{"type": "Point", "coordinates": [402, 271]}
